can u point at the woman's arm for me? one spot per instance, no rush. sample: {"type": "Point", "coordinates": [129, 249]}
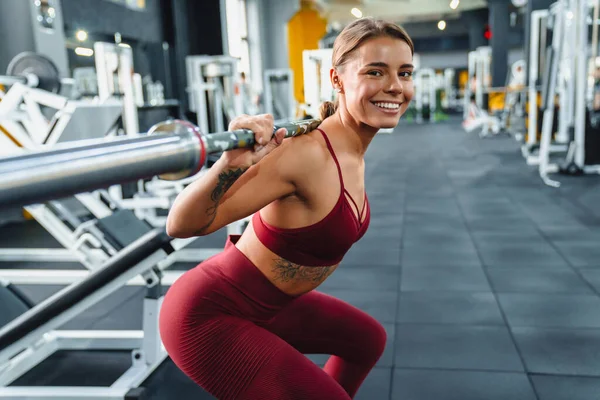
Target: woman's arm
{"type": "Point", "coordinates": [226, 194]}
{"type": "Point", "coordinates": [232, 190]}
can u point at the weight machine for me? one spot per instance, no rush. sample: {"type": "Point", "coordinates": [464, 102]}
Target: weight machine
{"type": "Point", "coordinates": [479, 79]}
{"type": "Point", "coordinates": [114, 69]}
{"type": "Point", "coordinates": [214, 90]}
{"type": "Point", "coordinates": [572, 71]}
{"type": "Point", "coordinates": [425, 94]}
{"type": "Point", "coordinates": [33, 336]}
{"type": "Point", "coordinates": [29, 129]}
{"type": "Point", "coordinates": [513, 116]}
{"type": "Point", "coordinates": [477, 89]}
{"type": "Point", "coordinates": [317, 83]}
{"type": "Point", "coordinates": [279, 94]}
{"type": "Point", "coordinates": [544, 22]}
{"type": "Point", "coordinates": [449, 101]}
{"type": "Point", "coordinates": [23, 116]}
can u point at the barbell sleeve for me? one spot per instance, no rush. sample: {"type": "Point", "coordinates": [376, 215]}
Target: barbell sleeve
{"type": "Point", "coordinates": [172, 150]}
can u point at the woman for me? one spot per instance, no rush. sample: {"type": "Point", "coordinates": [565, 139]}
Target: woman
{"type": "Point", "coordinates": [239, 323]}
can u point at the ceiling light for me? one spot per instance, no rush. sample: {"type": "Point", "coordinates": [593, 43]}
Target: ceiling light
{"type": "Point", "coordinates": [81, 35]}
{"type": "Point", "coordinates": [356, 12]}
{"type": "Point", "coordinates": [442, 25]}
{"type": "Point", "coordinates": [454, 4]}
{"type": "Point", "coordinates": [82, 51]}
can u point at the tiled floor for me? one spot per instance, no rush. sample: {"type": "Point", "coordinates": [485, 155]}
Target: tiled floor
{"type": "Point", "coordinates": [486, 280]}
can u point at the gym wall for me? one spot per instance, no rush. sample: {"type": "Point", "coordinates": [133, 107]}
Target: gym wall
{"type": "Point", "coordinates": [105, 17]}
{"type": "Point", "coordinates": [458, 59]}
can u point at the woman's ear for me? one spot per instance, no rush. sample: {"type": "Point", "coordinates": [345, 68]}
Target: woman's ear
{"type": "Point", "coordinates": [336, 82]}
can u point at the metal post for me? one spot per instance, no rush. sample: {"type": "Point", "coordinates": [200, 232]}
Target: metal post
{"type": "Point", "coordinates": [534, 64]}
{"type": "Point", "coordinates": [581, 77]}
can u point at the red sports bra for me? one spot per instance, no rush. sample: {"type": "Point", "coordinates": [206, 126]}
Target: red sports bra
{"type": "Point", "coordinates": [323, 243]}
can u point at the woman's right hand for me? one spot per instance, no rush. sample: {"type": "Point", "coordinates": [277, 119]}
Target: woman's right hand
{"type": "Point", "coordinates": [262, 126]}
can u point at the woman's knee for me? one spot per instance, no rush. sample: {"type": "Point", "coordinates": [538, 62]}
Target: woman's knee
{"type": "Point", "coordinates": [374, 338]}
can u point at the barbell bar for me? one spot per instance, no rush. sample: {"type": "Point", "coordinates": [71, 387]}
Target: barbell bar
{"type": "Point", "coordinates": [172, 150]}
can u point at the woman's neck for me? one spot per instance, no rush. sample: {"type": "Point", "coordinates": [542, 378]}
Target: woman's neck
{"type": "Point", "coordinates": [355, 137]}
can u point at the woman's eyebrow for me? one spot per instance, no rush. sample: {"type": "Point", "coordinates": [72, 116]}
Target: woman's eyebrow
{"type": "Point", "coordinates": [384, 65]}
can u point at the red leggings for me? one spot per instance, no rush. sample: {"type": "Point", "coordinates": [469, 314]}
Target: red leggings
{"type": "Point", "coordinates": [240, 338]}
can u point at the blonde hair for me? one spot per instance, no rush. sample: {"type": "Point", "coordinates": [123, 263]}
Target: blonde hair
{"type": "Point", "coordinates": [351, 38]}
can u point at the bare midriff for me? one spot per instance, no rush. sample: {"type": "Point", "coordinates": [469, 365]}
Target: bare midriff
{"type": "Point", "coordinates": [292, 279]}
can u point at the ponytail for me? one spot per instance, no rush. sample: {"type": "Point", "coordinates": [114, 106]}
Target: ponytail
{"type": "Point", "coordinates": [327, 109]}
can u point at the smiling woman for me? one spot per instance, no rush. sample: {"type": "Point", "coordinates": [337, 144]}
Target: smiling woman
{"type": "Point", "coordinates": [239, 323]}
{"type": "Point", "coordinates": [382, 34]}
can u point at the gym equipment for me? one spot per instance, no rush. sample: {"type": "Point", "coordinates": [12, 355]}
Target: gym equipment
{"type": "Point", "coordinates": [33, 70]}
{"type": "Point", "coordinates": [214, 90]}
{"type": "Point", "coordinates": [425, 94]}
{"type": "Point", "coordinates": [570, 75]}
{"type": "Point", "coordinates": [29, 129]}
{"type": "Point", "coordinates": [14, 302]}
{"type": "Point", "coordinates": [512, 118]}
{"type": "Point", "coordinates": [32, 337]}
{"type": "Point", "coordinates": [317, 85]}
{"type": "Point", "coordinates": [35, 26]}
{"type": "Point", "coordinates": [114, 66]}
{"type": "Point", "coordinates": [173, 150]}
{"type": "Point", "coordinates": [279, 94]}
{"type": "Point", "coordinates": [479, 63]}
{"type": "Point", "coordinates": [449, 100]}
{"type": "Point", "coordinates": [543, 22]}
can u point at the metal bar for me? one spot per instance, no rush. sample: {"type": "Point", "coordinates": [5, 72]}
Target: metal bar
{"type": "Point", "coordinates": [581, 76]}
{"type": "Point", "coordinates": [174, 147]}
{"type": "Point", "coordinates": [68, 277]}
{"type": "Point", "coordinates": [11, 80]}
{"type": "Point", "coordinates": [63, 392]}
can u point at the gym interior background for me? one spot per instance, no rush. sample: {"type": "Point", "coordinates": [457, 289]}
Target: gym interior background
{"type": "Point", "coordinates": [483, 256]}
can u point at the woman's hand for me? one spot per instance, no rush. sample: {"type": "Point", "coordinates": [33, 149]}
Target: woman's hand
{"type": "Point", "coordinates": [262, 126]}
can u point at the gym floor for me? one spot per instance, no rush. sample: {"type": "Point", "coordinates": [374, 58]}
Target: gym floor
{"type": "Point", "coordinates": [486, 280]}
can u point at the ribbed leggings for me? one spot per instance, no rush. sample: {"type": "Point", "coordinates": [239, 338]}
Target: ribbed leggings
{"type": "Point", "coordinates": [240, 338]}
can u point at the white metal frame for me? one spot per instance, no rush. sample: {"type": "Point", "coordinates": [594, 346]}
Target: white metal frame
{"type": "Point", "coordinates": [534, 64]}
{"type": "Point", "coordinates": [545, 167]}
{"type": "Point", "coordinates": [539, 23]}
{"type": "Point", "coordinates": [198, 86]}
{"type": "Point", "coordinates": [147, 349]}
{"type": "Point", "coordinates": [425, 89]}
{"type": "Point", "coordinates": [479, 65]}
{"type": "Point", "coordinates": [449, 101]}
{"type": "Point", "coordinates": [572, 52]}
{"type": "Point", "coordinates": [117, 59]}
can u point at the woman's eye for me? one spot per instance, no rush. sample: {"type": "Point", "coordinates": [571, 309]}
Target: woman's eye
{"type": "Point", "coordinates": [406, 74]}
{"type": "Point", "coordinates": [375, 73]}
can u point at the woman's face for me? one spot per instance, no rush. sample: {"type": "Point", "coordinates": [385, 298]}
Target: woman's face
{"type": "Point", "coordinates": [376, 83]}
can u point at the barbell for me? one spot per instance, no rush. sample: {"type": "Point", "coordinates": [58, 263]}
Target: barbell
{"type": "Point", "coordinates": [33, 70]}
{"type": "Point", "coordinates": [172, 150]}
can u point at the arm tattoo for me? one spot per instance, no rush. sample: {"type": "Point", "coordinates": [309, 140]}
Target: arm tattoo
{"type": "Point", "coordinates": [225, 180]}
{"type": "Point", "coordinates": [288, 271]}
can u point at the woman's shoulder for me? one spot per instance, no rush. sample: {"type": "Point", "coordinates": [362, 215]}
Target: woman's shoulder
{"type": "Point", "coordinates": [310, 147]}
